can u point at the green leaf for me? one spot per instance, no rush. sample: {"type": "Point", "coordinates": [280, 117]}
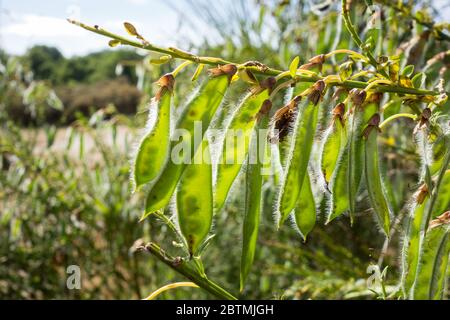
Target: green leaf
{"type": "Point", "coordinates": [114, 43]}
{"type": "Point", "coordinates": [408, 70]}
{"type": "Point", "coordinates": [418, 80]}
{"type": "Point", "coordinates": [294, 66]}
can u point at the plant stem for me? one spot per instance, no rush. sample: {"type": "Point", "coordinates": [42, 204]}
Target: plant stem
{"type": "Point", "coordinates": [395, 116]}
{"type": "Point", "coordinates": [179, 54]}
{"type": "Point", "coordinates": [351, 29]}
{"type": "Point", "coordinates": [184, 269]}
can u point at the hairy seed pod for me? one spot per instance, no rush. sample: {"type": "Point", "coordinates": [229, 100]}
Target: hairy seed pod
{"type": "Point", "coordinates": [298, 158]}
{"type": "Point", "coordinates": [253, 198]}
{"type": "Point", "coordinates": [201, 107]}
{"type": "Point", "coordinates": [234, 149]}
{"type": "Point", "coordinates": [339, 202]}
{"type": "Point", "coordinates": [195, 199]}
{"type": "Point", "coordinates": [305, 210]}
{"type": "Point", "coordinates": [375, 188]}
{"type": "Point", "coordinates": [335, 139]}
{"type": "Point", "coordinates": [432, 279]}
{"type": "Point", "coordinates": [153, 149]}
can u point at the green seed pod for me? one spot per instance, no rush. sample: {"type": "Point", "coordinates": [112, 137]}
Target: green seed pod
{"type": "Point", "coordinates": [234, 148]}
{"type": "Point", "coordinates": [377, 194]}
{"type": "Point", "coordinates": [412, 245]}
{"type": "Point", "coordinates": [154, 146]}
{"type": "Point", "coordinates": [195, 199]}
{"type": "Point", "coordinates": [200, 108]}
{"type": "Point", "coordinates": [305, 211]}
{"type": "Point", "coordinates": [299, 154]}
{"type": "Point", "coordinates": [335, 139]}
{"type": "Point", "coordinates": [253, 196]}
{"type": "Point", "coordinates": [432, 278]}
{"type": "Point", "coordinates": [360, 116]}
{"type": "Point", "coordinates": [339, 202]}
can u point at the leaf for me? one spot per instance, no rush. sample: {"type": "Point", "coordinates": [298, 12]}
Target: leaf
{"type": "Point", "coordinates": [408, 70]}
{"type": "Point", "coordinates": [130, 29]}
{"type": "Point", "coordinates": [418, 80]}
{"type": "Point", "coordinates": [114, 43]}
{"type": "Point", "coordinates": [161, 60]}
{"type": "Point", "coordinates": [345, 70]}
{"type": "Point", "coordinates": [294, 66]}
{"type": "Point", "coordinates": [197, 72]}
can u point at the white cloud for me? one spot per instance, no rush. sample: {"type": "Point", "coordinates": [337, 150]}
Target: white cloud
{"type": "Point", "coordinates": [31, 25]}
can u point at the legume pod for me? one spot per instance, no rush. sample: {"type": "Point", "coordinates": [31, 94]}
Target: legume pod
{"type": "Point", "coordinates": [235, 147]}
{"type": "Point", "coordinates": [253, 198]}
{"type": "Point", "coordinates": [298, 158]}
{"type": "Point", "coordinates": [154, 146]}
{"type": "Point", "coordinates": [305, 211]}
{"type": "Point", "coordinates": [375, 188]}
{"type": "Point", "coordinates": [201, 107]}
{"type": "Point", "coordinates": [195, 199]}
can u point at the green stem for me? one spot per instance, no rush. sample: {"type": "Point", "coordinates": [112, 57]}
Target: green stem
{"type": "Point", "coordinates": [395, 116]}
{"type": "Point", "coordinates": [184, 269]}
{"type": "Point", "coordinates": [351, 29]}
{"type": "Point", "coordinates": [176, 53]}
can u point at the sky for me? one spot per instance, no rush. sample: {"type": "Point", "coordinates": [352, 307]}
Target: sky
{"type": "Point", "coordinates": [24, 23]}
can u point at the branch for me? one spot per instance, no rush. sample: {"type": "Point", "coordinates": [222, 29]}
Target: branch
{"type": "Point", "coordinates": [184, 269]}
{"type": "Point", "coordinates": [187, 56]}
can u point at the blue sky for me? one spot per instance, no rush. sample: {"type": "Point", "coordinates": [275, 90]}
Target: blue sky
{"type": "Point", "coordinates": [24, 23]}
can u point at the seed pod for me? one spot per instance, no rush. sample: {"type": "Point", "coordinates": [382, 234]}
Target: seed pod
{"type": "Point", "coordinates": [432, 278]}
{"type": "Point", "coordinates": [339, 202]}
{"type": "Point", "coordinates": [299, 154]}
{"type": "Point", "coordinates": [153, 148]}
{"type": "Point", "coordinates": [443, 198]}
{"type": "Point", "coordinates": [253, 196]}
{"type": "Point", "coordinates": [377, 194]}
{"type": "Point", "coordinates": [235, 149]}
{"type": "Point", "coordinates": [305, 211]}
{"type": "Point", "coordinates": [195, 199]}
{"type": "Point", "coordinates": [201, 107]}
{"type": "Point", "coordinates": [334, 141]}
{"type": "Point", "coordinates": [412, 246]}
{"type": "Point", "coordinates": [361, 113]}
